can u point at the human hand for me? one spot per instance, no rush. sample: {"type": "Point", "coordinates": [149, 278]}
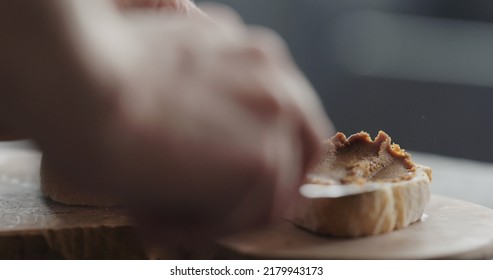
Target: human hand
{"type": "Point", "coordinates": [183, 6]}
{"type": "Point", "coordinates": [210, 130]}
{"type": "Point", "coordinates": [10, 132]}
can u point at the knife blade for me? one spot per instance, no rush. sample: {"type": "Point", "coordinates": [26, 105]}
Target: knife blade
{"type": "Point", "coordinates": [334, 191]}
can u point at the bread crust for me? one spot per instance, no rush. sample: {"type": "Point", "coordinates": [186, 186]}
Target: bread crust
{"type": "Point", "coordinates": [393, 206]}
{"type": "Point", "coordinates": [55, 188]}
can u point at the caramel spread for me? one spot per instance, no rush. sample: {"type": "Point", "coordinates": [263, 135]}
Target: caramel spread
{"type": "Point", "coordinates": [361, 160]}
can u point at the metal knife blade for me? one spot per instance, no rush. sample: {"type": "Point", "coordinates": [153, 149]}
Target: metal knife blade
{"type": "Point", "coordinates": [334, 191]}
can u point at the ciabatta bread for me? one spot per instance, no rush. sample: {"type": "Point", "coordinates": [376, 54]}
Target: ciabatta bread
{"type": "Point", "coordinates": [399, 201]}
{"type": "Point", "coordinates": [54, 187]}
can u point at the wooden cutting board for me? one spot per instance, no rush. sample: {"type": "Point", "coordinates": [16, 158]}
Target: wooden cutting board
{"type": "Point", "coordinates": [32, 227]}
{"type": "Point", "coordinates": [454, 229]}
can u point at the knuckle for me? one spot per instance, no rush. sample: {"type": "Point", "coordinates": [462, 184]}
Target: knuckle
{"type": "Point", "coordinates": [221, 13]}
{"type": "Point", "coordinates": [268, 38]}
{"type": "Point", "coordinates": [269, 106]}
{"type": "Point", "coordinates": [260, 168]}
{"type": "Point", "coordinates": [272, 104]}
{"type": "Point", "coordinates": [257, 54]}
{"type": "Point", "coordinates": [268, 103]}
{"type": "Point", "coordinates": [179, 5]}
{"type": "Point", "coordinates": [183, 6]}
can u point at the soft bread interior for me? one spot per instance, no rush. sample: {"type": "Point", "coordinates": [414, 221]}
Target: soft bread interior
{"type": "Point", "coordinates": [394, 205]}
{"type": "Point", "coordinates": [376, 188]}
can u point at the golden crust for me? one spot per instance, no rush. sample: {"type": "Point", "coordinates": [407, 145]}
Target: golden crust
{"type": "Point", "coordinates": [56, 189]}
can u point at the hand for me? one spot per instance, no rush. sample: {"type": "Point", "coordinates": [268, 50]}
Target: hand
{"type": "Point", "coordinates": [184, 6]}
{"type": "Point", "coordinates": [9, 132]}
{"type": "Point", "coordinates": [209, 130]}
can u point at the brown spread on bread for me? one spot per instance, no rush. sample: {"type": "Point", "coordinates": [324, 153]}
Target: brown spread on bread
{"type": "Point", "coordinates": [361, 160]}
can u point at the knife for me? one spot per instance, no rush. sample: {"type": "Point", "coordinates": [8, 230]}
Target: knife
{"type": "Point", "coordinates": [334, 191]}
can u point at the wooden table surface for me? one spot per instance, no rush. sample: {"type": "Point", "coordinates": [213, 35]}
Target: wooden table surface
{"type": "Point", "coordinates": [32, 227]}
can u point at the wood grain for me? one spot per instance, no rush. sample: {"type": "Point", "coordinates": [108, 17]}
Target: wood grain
{"type": "Point", "coordinates": [32, 227]}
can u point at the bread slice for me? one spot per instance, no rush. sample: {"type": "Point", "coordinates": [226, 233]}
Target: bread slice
{"type": "Point", "coordinates": [54, 187]}
{"type": "Point", "coordinates": [396, 203]}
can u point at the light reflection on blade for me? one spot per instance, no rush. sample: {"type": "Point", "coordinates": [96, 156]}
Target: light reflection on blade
{"type": "Point", "coordinates": [333, 191]}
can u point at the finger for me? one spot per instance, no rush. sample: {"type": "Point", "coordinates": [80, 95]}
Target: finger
{"type": "Point", "coordinates": [275, 85]}
{"type": "Point", "coordinates": [226, 19]}
{"type": "Point", "coordinates": [296, 95]}
{"type": "Point", "coordinates": [293, 81]}
{"type": "Point", "coordinates": [289, 155]}
{"type": "Point", "coordinates": [186, 7]}
{"type": "Point", "coordinates": [294, 84]}
{"type": "Point", "coordinates": [129, 4]}
{"type": "Point", "coordinates": [272, 43]}
{"type": "Point", "coordinates": [314, 124]}
{"type": "Point", "coordinates": [312, 112]}
{"type": "Point", "coordinates": [222, 14]}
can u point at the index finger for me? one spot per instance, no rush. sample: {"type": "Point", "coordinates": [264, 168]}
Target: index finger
{"type": "Point", "coordinates": [295, 84]}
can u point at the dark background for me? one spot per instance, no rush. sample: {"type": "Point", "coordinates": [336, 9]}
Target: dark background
{"type": "Point", "coordinates": [420, 70]}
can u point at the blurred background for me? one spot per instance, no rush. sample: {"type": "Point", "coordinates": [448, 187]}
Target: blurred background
{"type": "Point", "coordinates": [421, 70]}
